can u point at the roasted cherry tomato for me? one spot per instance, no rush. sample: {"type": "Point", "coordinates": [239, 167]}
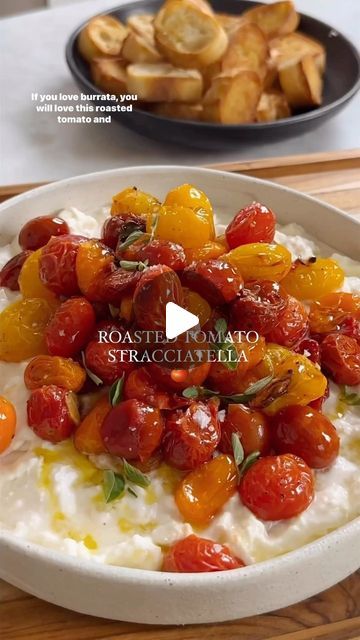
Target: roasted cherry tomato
{"type": "Point", "coordinates": [53, 413]}
{"type": "Point", "coordinates": [215, 280]}
{"type": "Point", "coordinates": [117, 285]}
{"type": "Point", "coordinates": [277, 487]}
{"type": "Point", "coordinates": [37, 232]}
{"type": "Point", "coordinates": [186, 195]}
{"type": "Point", "coordinates": [191, 437]}
{"type": "Point", "coordinates": [351, 327]}
{"type": "Point", "coordinates": [70, 328]}
{"type": "Point", "coordinates": [197, 305]}
{"type": "Point", "coordinates": [7, 423]}
{"type": "Point", "coordinates": [189, 227]}
{"type": "Point", "coordinates": [158, 286]}
{"type": "Point", "coordinates": [179, 379]}
{"type": "Point", "coordinates": [254, 223]}
{"type": "Point", "coordinates": [109, 361]}
{"type": "Point", "coordinates": [22, 327]}
{"type": "Point", "coordinates": [293, 324]}
{"type": "Point", "coordinates": [209, 251]}
{"type": "Point", "coordinates": [94, 261]}
{"type": "Point", "coordinates": [198, 555]}
{"type": "Point", "coordinates": [133, 201]}
{"type": "Point", "coordinates": [315, 278]}
{"type": "Point", "coordinates": [58, 264]}
{"type": "Point", "coordinates": [306, 433]}
{"type": "Point", "coordinates": [9, 274]}
{"type": "Point", "coordinates": [329, 312]}
{"type": "Point", "coordinates": [340, 357]}
{"type": "Point", "coordinates": [132, 430]}
{"type": "Point", "coordinates": [260, 261]}
{"type": "Point", "coordinates": [252, 427]}
{"type": "Point", "coordinates": [229, 381]}
{"type": "Point", "coordinates": [141, 385]}
{"type": "Point", "coordinates": [310, 348]}
{"type": "Point", "coordinates": [204, 491]}
{"type": "Point", "coordinates": [117, 228]}
{"type": "Point", "coordinates": [62, 372]}
{"type": "Point", "coordinates": [259, 307]}
{"type": "Point", "coordinates": [29, 278]}
{"type": "Point", "coordinates": [163, 252]}
{"type": "Point", "coordinates": [87, 437]}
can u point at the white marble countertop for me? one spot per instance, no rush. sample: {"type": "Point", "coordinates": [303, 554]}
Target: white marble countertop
{"type": "Point", "coordinates": [34, 147]}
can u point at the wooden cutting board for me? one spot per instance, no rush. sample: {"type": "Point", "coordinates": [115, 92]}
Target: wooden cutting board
{"type": "Point", "coordinates": [332, 615]}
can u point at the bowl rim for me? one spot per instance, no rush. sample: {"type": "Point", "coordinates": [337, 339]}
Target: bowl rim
{"type": "Point", "coordinates": [145, 577]}
{"type": "Point", "coordinates": [311, 115]}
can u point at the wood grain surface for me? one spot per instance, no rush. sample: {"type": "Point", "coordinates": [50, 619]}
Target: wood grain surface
{"type": "Point", "coordinates": [332, 615]}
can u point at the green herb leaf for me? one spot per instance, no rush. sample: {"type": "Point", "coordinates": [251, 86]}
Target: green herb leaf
{"type": "Point", "coordinates": [135, 235]}
{"type": "Point", "coordinates": [191, 392]}
{"type": "Point", "coordinates": [257, 386]}
{"type": "Point", "coordinates": [228, 355]}
{"type": "Point", "coordinates": [113, 485]}
{"type": "Point", "coordinates": [132, 474]}
{"type": "Point", "coordinates": [131, 265]}
{"type": "Point", "coordinates": [238, 450]}
{"type": "Point", "coordinates": [221, 326]}
{"type": "Point", "coordinates": [248, 462]}
{"type": "Point", "coordinates": [350, 397]}
{"type": "Point", "coordinates": [132, 492]}
{"type": "Point", "coordinates": [114, 311]}
{"type": "Point", "coordinates": [198, 392]}
{"type": "Point", "coordinates": [116, 391]}
{"type": "Point", "coordinates": [91, 375]}
{"type": "Point", "coordinates": [154, 225]}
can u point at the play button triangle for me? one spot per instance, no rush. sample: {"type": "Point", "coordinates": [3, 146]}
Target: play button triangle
{"type": "Point", "coordinates": [178, 320]}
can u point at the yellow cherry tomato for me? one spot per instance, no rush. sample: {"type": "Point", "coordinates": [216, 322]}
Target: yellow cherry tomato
{"type": "Point", "coordinates": [196, 304]}
{"type": "Point", "coordinates": [313, 279]}
{"type": "Point", "coordinates": [186, 195]}
{"type": "Point", "coordinates": [209, 251]}
{"type": "Point", "coordinates": [260, 261]}
{"type": "Point", "coordinates": [7, 423]}
{"type": "Point", "coordinates": [190, 228]}
{"type": "Point", "coordinates": [132, 200]}
{"type": "Point", "coordinates": [29, 279]}
{"type": "Point", "coordinates": [22, 328]}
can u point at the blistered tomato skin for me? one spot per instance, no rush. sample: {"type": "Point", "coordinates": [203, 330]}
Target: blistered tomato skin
{"type": "Point", "coordinates": [197, 305]}
{"type": "Point", "coordinates": [70, 328]}
{"type": "Point", "coordinates": [216, 281]}
{"type": "Point", "coordinates": [163, 252]}
{"type": "Point", "coordinates": [340, 358]}
{"type": "Point", "coordinates": [22, 328]}
{"type": "Point", "coordinates": [199, 555]}
{"type": "Point", "coordinates": [94, 262]}
{"type": "Point", "coordinates": [58, 264]}
{"type": "Point", "coordinates": [53, 413]}
{"type": "Point", "coordinates": [211, 250]}
{"type": "Point", "coordinates": [329, 313]}
{"type": "Point", "coordinates": [254, 223]}
{"type": "Point", "coordinates": [37, 232]}
{"type": "Point", "coordinates": [306, 433]}
{"type": "Point", "coordinates": [260, 261]}
{"type": "Point", "coordinates": [46, 370]}
{"type": "Point", "coordinates": [251, 426]}
{"type": "Point", "coordinates": [7, 423]}
{"type": "Point", "coordinates": [117, 228]}
{"type": "Point", "coordinates": [132, 430]}
{"type": "Point", "coordinates": [191, 437]}
{"type": "Point", "coordinates": [293, 325]}
{"type": "Point", "coordinates": [108, 361]}
{"type": "Point", "coordinates": [311, 280]}
{"type": "Point", "coordinates": [157, 286]}
{"type": "Point", "coordinates": [260, 307]}
{"type": "Point", "coordinates": [189, 227]}
{"type": "Point", "coordinates": [310, 348]}
{"type": "Point", "coordinates": [227, 381]}
{"type": "Point", "coordinates": [277, 487]}
{"type": "Point", "coordinates": [29, 278]}
{"type": "Point", "coordinates": [141, 385]}
{"type": "Point", "coordinates": [87, 437]}
{"type": "Point", "coordinates": [117, 285]}
{"type": "Point", "coordinates": [133, 201]}
{"type": "Point", "coordinates": [9, 274]}
{"type": "Point", "coordinates": [204, 491]}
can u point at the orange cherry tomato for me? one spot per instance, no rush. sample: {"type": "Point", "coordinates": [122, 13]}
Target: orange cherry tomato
{"type": "Point", "coordinates": [63, 372]}
{"type": "Point", "coordinates": [197, 305]}
{"type": "Point", "coordinates": [313, 279]}
{"type": "Point", "coordinates": [204, 491]}
{"type": "Point", "coordinates": [209, 251]}
{"type": "Point", "coordinates": [94, 261]}
{"type": "Point", "coordinates": [7, 423]}
{"type": "Point", "coordinates": [328, 313]}
{"type": "Point", "coordinates": [87, 437]}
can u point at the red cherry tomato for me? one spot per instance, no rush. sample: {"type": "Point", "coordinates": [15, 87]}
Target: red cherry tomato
{"type": "Point", "coordinates": [158, 286]}
{"type": "Point", "coordinates": [70, 327]}
{"type": "Point", "coordinates": [215, 280]}
{"type": "Point", "coordinates": [37, 232]}
{"type": "Point", "coordinates": [340, 357]}
{"type": "Point", "coordinates": [251, 426]}
{"type": "Point", "coordinates": [115, 286]}
{"type": "Point", "coordinates": [254, 223]}
{"type": "Point", "coordinates": [293, 325]}
{"type": "Point", "coordinates": [109, 361]}
{"type": "Point", "coordinates": [306, 433]}
{"type": "Point", "coordinates": [53, 413]}
{"type": "Point", "coordinates": [132, 430]}
{"type": "Point", "coordinates": [198, 555]}
{"type": "Point", "coordinates": [351, 327]}
{"type": "Point", "coordinates": [179, 379]}
{"type": "Point", "coordinates": [260, 307]}
{"type": "Point", "coordinates": [58, 264]}
{"type": "Point", "coordinates": [9, 274]}
{"type": "Point", "coordinates": [191, 437]}
{"type": "Point", "coordinates": [277, 487]}
{"type": "Point", "coordinates": [309, 348]}
{"type": "Point", "coordinates": [162, 252]}
{"type": "Point", "coordinates": [117, 228]}
{"type": "Point", "coordinates": [141, 385]}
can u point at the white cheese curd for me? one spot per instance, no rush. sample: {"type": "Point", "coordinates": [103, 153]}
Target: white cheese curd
{"type": "Point", "coordinates": [53, 496]}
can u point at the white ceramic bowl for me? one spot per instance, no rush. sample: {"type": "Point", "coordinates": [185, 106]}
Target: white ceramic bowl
{"type": "Point", "coordinates": [153, 597]}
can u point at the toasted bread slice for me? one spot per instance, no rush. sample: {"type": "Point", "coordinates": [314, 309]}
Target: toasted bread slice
{"type": "Point", "coordinates": [229, 22]}
{"type": "Point", "coordinates": [164, 83]}
{"type": "Point", "coordinates": [137, 48]}
{"type": "Point", "coordinates": [295, 46]}
{"type": "Point", "coordinates": [179, 110]}
{"type": "Point", "coordinates": [109, 74]}
{"type": "Point", "coordinates": [102, 36]}
{"type": "Point", "coordinates": [302, 83]}
{"type": "Point", "coordinates": [271, 76]}
{"type": "Point", "coordinates": [232, 99]}
{"type": "Point", "coordinates": [276, 19]}
{"type": "Point", "coordinates": [141, 23]}
{"type": "Point", "coordinates": [248, 49]}
{"type": "Point", "coordinates": [273, 105]}
{"type": "Point", "coordinates": [188, 36]}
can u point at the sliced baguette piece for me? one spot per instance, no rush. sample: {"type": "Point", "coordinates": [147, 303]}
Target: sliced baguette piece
{"type": "Point", "coordinates": [248, 49]}
{"type": "Point", "coordinates": [102, 36]}
{"type": "Point", "coordinates": [271, 76]}
{"type": "Point", "coordinates": [138, 48]}
{"type": "Point", "coordinates": [302, 83]}
{"type": "Point", "coordinates": [295, 46]}
{"type": "Point", "coordinates": [178, 110]}
{"type": "Point", "coordinates": [275, 19]}
{"type": "Point", "coordinates": [164, 83]}
{"type": "Point", "coordinates": [273, 105]}
{"type": "Point", "coordinates": [229, 22]}
{"type": "Point", "coordinates": [233, 98]}
{"type": "Point", "coordinates": [109, 74]}
{"type": "Point", "coordinates": [188, 36]}
{"type": "Point", "coordinates": [141, 23]}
